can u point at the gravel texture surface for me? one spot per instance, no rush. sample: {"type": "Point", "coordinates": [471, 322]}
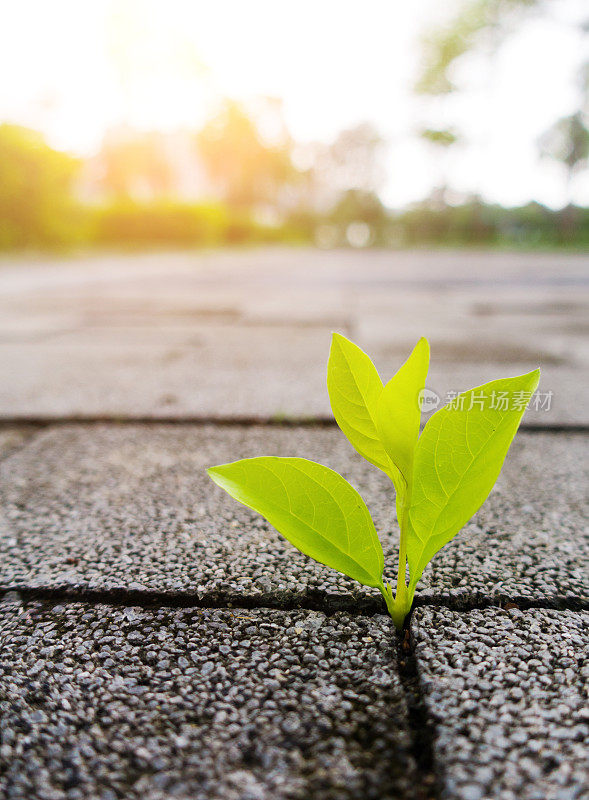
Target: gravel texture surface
{"type": "Point", "coordinates": [115, 701]}
{"type": "Point", "coordinates": [106, 703]}
{"type": "Point", "coordinates": [508, 695]}
{"type": "Point", "coordinates": [13, 438]}
{"type": "Point", "coordinates": [131, 507]}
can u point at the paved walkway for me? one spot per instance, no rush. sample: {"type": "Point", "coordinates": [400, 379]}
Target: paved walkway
{"type": "Point", "coordinates": [157, 640]}
{"type": "Point", "coordinates": [247, 334]}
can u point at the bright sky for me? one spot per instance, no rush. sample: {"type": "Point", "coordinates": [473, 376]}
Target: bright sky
{"type": "Point", "coordinates": [73, 69]}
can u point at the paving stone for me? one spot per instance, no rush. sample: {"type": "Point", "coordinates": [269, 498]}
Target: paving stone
{"type": "Point", "coordinates": [247, 333]}
{"type": "Point", "coordinates": [103, 702]}
{"type": "Point", "coordinates": [507, 691]}
{"type": "Point", "coordinates": [130, 507]}
{"type": "Point", "coordinates": [530, 539]}
{"type": "Point", "coordinates": [237, 373]}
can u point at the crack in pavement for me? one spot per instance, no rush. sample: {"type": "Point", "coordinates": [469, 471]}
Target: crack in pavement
{"type": "Point", "coordinates": [278, 421]}
{"type": "Point", "coordinates": [420, 724]}
{"type": "Point", "coordinates": [311, 600]}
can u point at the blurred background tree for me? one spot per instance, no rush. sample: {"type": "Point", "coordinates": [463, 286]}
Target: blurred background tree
{"type": "Point", "coordinates": [37, 207]}
{"type": "Point", "coordinates": [248, 161]}
{"type": "Point", "coordinates": [135, 166]}
{"type": "Point", "coordinates": [232, 171]}
{"type": "Point", "coordinates": [481, 26]}
{"type": "Point", "coordinates": [567, 142]}
{"type": "Point", "coordinates": [352, 161]}
{"type": "Point", "coordinates": [477, 24]}
{"type": "Point", "coordinates": [440, 140]}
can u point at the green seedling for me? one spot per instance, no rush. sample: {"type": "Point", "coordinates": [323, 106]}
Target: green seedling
{"type": "Point", "coordinates": [441, 477]}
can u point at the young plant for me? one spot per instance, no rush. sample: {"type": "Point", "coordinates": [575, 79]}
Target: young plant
{"type": "Point", "coordinates": [441, 477]}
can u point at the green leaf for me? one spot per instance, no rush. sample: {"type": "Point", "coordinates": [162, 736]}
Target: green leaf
{"type": "Point", "coordinates": [354, 388]}
{"type": "Point", "coordinates": [457, 461]}
{"type": "Point", "coordinates": [313, 507]}
{"type": "Point", "coordinates": [398, 410]}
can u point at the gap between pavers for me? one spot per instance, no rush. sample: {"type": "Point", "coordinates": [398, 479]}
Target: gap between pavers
{"type": "Point", "coordinates": [154, 703]}
{"type": "Point", "coordinates": [472, 692]}
{"type": "Point", "coordinates": [505, 693]}
{"type": "Point", "coordinates": [111, 508]}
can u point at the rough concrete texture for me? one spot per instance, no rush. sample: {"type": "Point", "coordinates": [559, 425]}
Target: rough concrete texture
{"type": "Point", "coordinates": [106, 703]}
{"type": "Point", "coordinates": [247, 333]}
{"type": "Point", "coordinates": [507, 692]}
{"type": "Point", "coordinates": [130, 507]}
{"type": "Point", "coordinates": [14, 437]}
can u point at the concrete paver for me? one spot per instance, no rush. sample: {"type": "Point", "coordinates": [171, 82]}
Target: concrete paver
{"type": "Point", "coordinates": [107, 506]}
{"type": "Point", "coordinates": [101, 702]}
{"type": "Point", "coordinates": [507, 692]}
{"type": "Point", "coordinates": [247, 333]}
{"type": "Point", "coordinates": [107, 702]}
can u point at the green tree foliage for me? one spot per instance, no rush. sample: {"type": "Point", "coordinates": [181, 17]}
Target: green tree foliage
{"type": "Point", "coordinates": [475, 223]}
{"type": "Point", "coordinates": [36, 203]}
{"type": "Point", "coordinates": [162, 223]}
{"type": "Point", "coordinates": [439, 137]}
{"type": "Point", "coordinates": [468, 29]}
{"type": "Point", "coordinates": [567, 141]}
